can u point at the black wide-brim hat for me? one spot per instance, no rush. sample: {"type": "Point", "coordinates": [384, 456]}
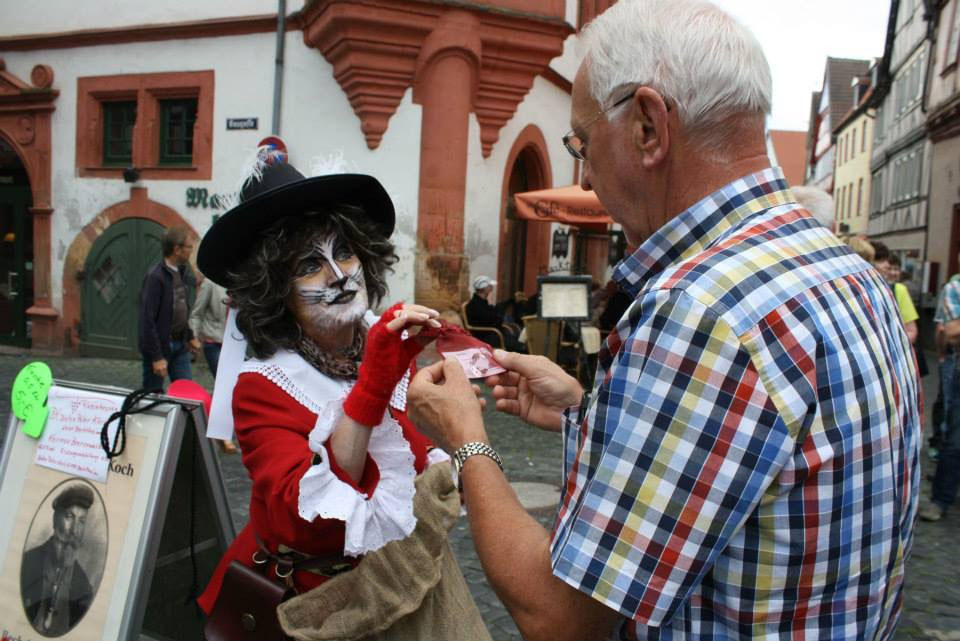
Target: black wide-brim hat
{"type": "Point", "coordinates": [284, 191]}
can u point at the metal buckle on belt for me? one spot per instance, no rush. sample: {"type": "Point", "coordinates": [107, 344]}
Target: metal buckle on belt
{"type": "Point", "coordinates": [298, 561]}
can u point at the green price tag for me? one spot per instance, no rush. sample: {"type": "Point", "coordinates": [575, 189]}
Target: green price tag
{"type": "Point", "coordinates": [34, 424]}
{"type": "Point", "coordinates": [29, 397]}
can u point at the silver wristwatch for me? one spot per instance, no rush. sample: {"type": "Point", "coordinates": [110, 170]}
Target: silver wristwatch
{"type": "Point", "coordinates": [471, 449]}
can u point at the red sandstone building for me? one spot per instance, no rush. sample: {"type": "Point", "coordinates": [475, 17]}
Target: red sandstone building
{"type": "Point", "coordinates": [116, 124]}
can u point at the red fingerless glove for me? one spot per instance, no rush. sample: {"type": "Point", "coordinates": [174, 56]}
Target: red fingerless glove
{"type": "Point", "coordinates": [386, 357]}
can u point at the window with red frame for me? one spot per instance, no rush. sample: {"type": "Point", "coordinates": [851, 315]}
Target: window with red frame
{"type": "Point", "coordinates": [160, 123]}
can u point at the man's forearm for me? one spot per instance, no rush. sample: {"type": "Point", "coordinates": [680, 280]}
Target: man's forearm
{"type": "Point", "coordinates": [911, 330]}
{"type": "Point", "coordinates": [951, 331]}
{"type": "Point", "coordinates": [940, 340]}
{"type": "Point", "coordinates": [515, 552]}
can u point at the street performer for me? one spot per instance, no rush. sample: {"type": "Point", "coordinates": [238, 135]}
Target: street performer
{"type": "Point", "coordinates": [319, 409]}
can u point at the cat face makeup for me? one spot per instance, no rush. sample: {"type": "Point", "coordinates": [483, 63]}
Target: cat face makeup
{"type": "Point", "coordinates": [329, 290]}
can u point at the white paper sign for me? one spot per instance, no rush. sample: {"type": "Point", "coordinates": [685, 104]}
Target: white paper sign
{"type": "Point", "coordinates": [220, 424]}
{"type": "Point", "coordinates": [71, 439]}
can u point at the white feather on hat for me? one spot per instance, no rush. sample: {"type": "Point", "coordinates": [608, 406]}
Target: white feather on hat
{"type": "Point", "coordinates": [333, 163]}
{"type": "Point", "coordinates": [252, 168]}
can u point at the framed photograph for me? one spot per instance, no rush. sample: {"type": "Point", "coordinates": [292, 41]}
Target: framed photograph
{"type": "Point", "coordinates": [77, 556]}
{"type": "Point", "coordinates": [564, 297]}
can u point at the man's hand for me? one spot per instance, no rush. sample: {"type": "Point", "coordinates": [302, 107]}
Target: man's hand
{"type": "Point", "coordinates": [444, 406]}
{"type": "Point", "coordinates": [160, 367]}
{"type": "Point", "coordinates": [534, 388]}
{"type": "Point", "coordinates": [194, 346]}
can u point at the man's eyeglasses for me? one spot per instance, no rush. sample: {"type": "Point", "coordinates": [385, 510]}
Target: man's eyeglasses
{"type": "Point", "coordinates": [572, 141]}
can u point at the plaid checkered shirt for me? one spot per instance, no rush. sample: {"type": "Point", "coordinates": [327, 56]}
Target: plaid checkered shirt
{"type": "Point", "coordinates": [948, 303]}
{"type": "Point", "coordinates": [748, 463]}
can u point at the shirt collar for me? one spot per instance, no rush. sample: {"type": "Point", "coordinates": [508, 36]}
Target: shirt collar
{"type": "Point", "coordinates": [698, 227]}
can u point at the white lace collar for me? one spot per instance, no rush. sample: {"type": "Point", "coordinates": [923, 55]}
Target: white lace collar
{"type": "Point", "coordinates": [370, 521]}
{"type": "Point", "coordinates": [300, 380]}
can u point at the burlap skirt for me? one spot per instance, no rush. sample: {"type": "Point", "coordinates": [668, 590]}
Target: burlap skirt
{"type": "Point", "coordinates": [409, 590]}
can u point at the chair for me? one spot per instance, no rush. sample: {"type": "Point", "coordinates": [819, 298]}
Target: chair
{"type": "Point", "coordinates": [537, 340]}
{"type": "Point", "coordinates": [542, 340]}
{"type": "Point", "coordinates": [479, 328]}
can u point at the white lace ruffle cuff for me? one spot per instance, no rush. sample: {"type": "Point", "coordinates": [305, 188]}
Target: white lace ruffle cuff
{"type": "Point", "coordinates": [371, 521]}
{"type": "Point", "coordinates": [436, 455]}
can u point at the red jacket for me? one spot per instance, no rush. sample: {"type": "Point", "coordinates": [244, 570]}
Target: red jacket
{"type": "Point", "coordinates": [272, 429]}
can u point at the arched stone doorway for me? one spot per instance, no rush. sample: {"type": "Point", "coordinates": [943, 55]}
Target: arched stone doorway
{"type": "Point", "coordinates": [16, 248]}
{"type": "Point", "coordinates": [25, 113]}
{"type": "Point", "coordinates": [524, 244]}
{"type": "Point", "coordinates": [113, 273]}
{"type": "Point", "coordinates": [113, 250]}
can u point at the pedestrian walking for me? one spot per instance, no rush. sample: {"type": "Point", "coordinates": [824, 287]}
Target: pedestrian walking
{"type": "Point", "coordinates": [888, 264]}
{"type": "Point", "coordinates": [166, 340]}
{"type": "Point", "coordinates": [946, 479]}
{"type": "Point", "coordinates": [208, 319]}
{"type": "Point", "coordinates": [817, 202]}
{"type": "Point", "coordinates": [746, 464]}
{"type": "Point", "coordinates": [946, 364]}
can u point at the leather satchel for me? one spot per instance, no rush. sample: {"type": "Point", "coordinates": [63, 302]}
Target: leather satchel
{"type": "Point", "coordinates": [246, 608]}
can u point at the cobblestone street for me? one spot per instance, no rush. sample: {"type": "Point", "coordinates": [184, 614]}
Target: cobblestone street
{"type": "Point", "coordinates": [931, 611]}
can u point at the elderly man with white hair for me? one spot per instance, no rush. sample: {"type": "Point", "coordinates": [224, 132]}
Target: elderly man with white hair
{"type": "Point", "coordinates": [746, 464]}
{"type": "Point", "coordinates": [817, 202]}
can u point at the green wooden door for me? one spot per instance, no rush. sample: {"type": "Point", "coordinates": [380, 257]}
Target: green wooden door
{"type": "Point", "coordinates": [113, 275]}
{"type": "Point", "coordinates": [16, 265]}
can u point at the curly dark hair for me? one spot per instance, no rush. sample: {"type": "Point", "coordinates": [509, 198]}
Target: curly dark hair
{"type": "Point", "coordinates": [260, 284]}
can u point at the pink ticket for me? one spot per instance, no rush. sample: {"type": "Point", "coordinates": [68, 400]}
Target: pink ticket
{"type": "Point", "coordinates": [477, 362]}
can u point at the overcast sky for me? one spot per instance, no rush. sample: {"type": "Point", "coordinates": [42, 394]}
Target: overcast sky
{"type": "Point", "coordinates": [798, 35]}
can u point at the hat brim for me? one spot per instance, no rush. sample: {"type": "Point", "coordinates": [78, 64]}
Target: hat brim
{"type": "Point", "coordinates": [230, 239]}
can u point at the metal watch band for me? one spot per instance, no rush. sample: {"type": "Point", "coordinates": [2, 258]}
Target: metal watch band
{"type": "Point", "coordinates": [472, 449]}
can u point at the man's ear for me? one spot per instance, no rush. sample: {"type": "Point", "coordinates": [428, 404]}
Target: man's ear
{"type": "Point", "coordinates": [650, 126]}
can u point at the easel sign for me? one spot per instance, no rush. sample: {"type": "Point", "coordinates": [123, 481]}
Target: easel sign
{"type": "Point", "coordinates": [101, 561]}
{"type": "Point", "coordinates": [564, 297]}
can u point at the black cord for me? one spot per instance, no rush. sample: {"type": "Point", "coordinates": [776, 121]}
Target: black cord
{"type": "Point", "coordinates": [128, 407]}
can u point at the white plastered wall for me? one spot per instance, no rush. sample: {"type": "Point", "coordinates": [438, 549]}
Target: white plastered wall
{"type": "Point", "coordinates": [317, 119]}
{"type": "Point", "coordinates": [567, 63]}
{"type": "Point", "coordinates": [546, 106]}
{"type": "Point", "coordinates": [243, 88]}
{"type": "Point", "coordinates": [52, 16]}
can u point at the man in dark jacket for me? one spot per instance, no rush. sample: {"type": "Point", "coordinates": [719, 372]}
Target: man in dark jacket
{"type": "Point", "coordinates": [482, 312]}
{"type": "Point", "coordinates": [55, 589]}
{"type": "Point", "coordinates": [165, 336]}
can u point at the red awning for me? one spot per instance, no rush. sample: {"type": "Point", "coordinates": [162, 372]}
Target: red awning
{"type": "Point", "coordinates": [569, 205]}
